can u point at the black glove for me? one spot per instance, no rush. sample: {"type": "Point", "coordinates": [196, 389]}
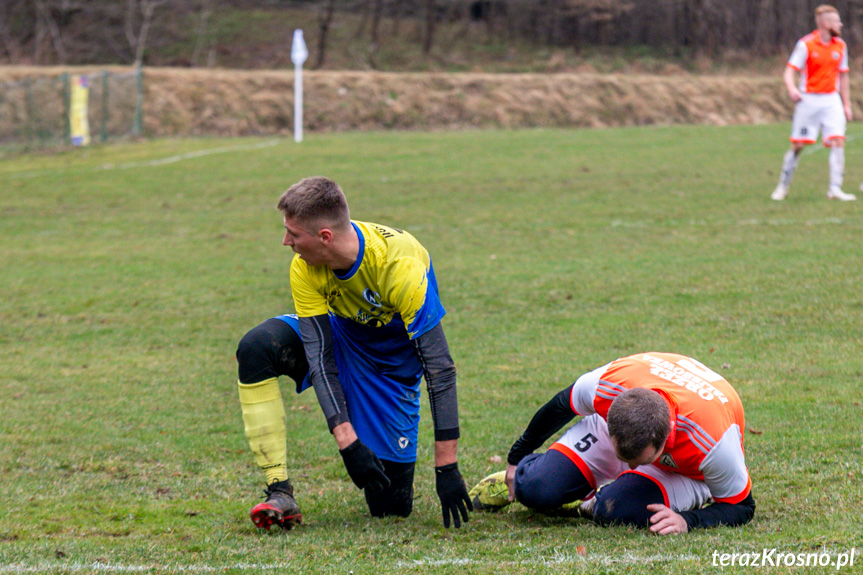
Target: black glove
{"type": "Point", "coordinates": [364, 467]}
{"type": "Point", "coordinates": [452, 493]}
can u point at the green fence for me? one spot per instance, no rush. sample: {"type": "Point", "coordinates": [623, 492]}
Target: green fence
{"type": "Point", "coordinates": [34, 111]}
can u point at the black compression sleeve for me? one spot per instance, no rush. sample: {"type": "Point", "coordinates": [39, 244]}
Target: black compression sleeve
{"type": "Point", "coordinates": [270, 349]}
{"type": "Point", "coordinates": [548, 420]}
{"type": "Point", "coordinates": [727, 514]}
{"type": "Point", "coordinates": [318, 343]}
{"type": "Point", "coordinates": [440, 374]}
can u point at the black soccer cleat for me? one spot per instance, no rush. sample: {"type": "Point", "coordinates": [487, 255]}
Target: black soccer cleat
{"type": "Point", "coordinates": [280, 508]}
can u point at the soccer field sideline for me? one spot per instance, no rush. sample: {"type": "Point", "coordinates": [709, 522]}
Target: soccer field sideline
{"type": "Point", "coordinates": [162, 161]}
{"type": "Point", "coordinates": [834, 559]}
{"type": "Point", "coordinates": [557, 559]}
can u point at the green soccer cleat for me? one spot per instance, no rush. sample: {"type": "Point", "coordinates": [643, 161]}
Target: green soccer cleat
{"type": "Point", "coordinates": [577, 508]}
{"type": "Point", "coordinates": [490, 494]}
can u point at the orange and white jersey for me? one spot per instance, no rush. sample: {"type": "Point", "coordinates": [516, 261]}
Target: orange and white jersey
{"type": "Point", "coordinates": [819, 64]}
{"type": "Point", "coordinates": [706, 440]}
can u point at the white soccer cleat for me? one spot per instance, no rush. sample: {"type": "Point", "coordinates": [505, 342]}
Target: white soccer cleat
{"type": "Point", "coordinates": [838, 194]}
{"type": "Point", "coordinates": [779, 193]}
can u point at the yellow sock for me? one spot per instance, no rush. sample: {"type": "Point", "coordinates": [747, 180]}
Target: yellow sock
{"type": "Point", "coordinates": [264, 416]}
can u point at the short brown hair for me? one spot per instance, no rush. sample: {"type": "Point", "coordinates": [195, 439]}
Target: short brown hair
{"type": "Point", "coordinates": [824, 9]}
{"type": "Point", "coordinates": [315, 200]}
{"type": "Point", "coordinates": [638, 418]}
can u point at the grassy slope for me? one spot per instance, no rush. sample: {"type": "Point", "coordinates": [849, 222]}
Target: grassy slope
{"type": "Point", "coordinates": [123, 292]}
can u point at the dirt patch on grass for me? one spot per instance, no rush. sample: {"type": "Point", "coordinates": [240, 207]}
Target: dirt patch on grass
{"type": "Point", "coordinates": [182, 102]}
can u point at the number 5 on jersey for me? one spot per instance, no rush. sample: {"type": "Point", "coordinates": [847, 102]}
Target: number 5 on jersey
{"type": "Point", "coordinates": [585, 443]}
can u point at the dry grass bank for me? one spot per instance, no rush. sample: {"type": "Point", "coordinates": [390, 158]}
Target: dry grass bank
{"type": "Point", "coordinates": [231, 103]}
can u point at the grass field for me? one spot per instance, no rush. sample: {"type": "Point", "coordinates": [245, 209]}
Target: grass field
{"type": "Point", "coordinates": [128, 274]}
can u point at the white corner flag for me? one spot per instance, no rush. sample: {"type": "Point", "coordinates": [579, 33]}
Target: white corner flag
{"type": "Point", "coordinates": [299, 53]}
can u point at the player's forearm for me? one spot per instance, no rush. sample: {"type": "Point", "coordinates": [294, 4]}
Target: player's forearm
{"type": "Point", "coordinates": [549, 419]}
{"type": "Point", "coordinates": [790, 79]}
{"type": "Point", "coordinates": [440, 375]}
{"type": "Point", "coordinates": [728, 514]}
{"type": "Point", "coordinates": [323, 373]}
{"type": "Point", "coordinates": [445, 452]}
{"type": "Point", "coordinates": [845, 89]}
{"type": "Point", "coordinates": [344, 434]}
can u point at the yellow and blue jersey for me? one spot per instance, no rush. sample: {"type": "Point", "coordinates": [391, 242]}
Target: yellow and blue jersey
{"type": "Point", "coordinates": [392, 279]}
{"type": "Point", "coordinates": [387, 298]}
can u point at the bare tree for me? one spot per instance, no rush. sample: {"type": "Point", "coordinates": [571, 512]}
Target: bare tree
{"type": "Point", "coordinates": [428, 34]}
{"type": "Point", "coordinates": [11, 46]}
{"type": "Point", "coordinates": [364, 19]}
{"type": "Point", "coordinates": [374, 44]}
{"type": "Point", "coordinates": [398, 13]}
{"type": "Point", "coordinates": [324, 21]}
{"type": "Point", "coordinates": [201, 35]}
{"type": "Point", "coordinates": [139, 12]}
{"type": "Point", "coordinates": [599, 16]}
{"type": "Point", "coordinates": [458, 13]}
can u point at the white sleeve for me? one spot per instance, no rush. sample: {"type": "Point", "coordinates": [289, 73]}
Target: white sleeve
{"type": "Point", "coordinates": [584, 391]}
{"type": "Point", "coordinates": [724, 468]}
{"type": "Point", "coordinates": [799, 56]}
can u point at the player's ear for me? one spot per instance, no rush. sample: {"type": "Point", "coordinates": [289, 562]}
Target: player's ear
{"type": "Point", "coordinates": [326, 236]}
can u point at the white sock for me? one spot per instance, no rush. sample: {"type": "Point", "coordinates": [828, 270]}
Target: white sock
{"type": "Point", "coordinates": [837, 166]}
{"type": "Point", "coordinates": [789, 164]}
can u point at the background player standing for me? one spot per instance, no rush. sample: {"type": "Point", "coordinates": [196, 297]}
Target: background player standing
{"type": "Point", "coordinates": [661, 436]}
{"type": "Point", "coordinates": [369, 315]}
{"type": "Point", "coordinates": [821, 58]}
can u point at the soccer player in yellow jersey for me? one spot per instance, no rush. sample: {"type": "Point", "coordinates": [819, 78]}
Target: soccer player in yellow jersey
{"type": "Point", "coordinates": [369, 317]}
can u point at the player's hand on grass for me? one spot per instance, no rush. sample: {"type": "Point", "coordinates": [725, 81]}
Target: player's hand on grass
{"type": "Point", "coordinates": [451, 490]}
{"type": "Point", "coordinates": [364, 467]}
{"type": "Point", "coordinates": [665, 521]}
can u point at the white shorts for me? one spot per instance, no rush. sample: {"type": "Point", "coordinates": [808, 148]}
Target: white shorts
{"type": "Point", "coordinates": [818, 113]}
{"type": "Point", "coordinates": [588, 445]}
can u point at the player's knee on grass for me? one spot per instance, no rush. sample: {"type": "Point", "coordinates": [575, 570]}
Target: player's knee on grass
{"type": "Point", "coordinates": [624, 501]}
{"type": "Point", "coordinates": [548, 480]}
{"type": "Point", "coordinates": [398, 498]}
{"type": "Point", "coordinates": [270, 349]}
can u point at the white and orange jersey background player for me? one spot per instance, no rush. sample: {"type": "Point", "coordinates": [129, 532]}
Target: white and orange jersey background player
{"type": "Point", "coordinates": [661, 437]}
{"type": "Point", "coordinates": [822, 98]}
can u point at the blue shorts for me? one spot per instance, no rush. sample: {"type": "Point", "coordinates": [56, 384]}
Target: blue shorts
{"type": "Point", "coordinates": [380, 374]}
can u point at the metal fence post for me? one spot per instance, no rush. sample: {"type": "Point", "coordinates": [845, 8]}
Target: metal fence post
{"type": "Point", "coordinates": [67, 103]}
{"type": "Point", "coordinates": [139, 103]}
{"type": "Point", "coordinates": [28, 109]}
{"type": "Point", "coordinates": [104, 105]}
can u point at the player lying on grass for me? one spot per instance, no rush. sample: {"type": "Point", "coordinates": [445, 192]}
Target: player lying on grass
{"type": "Point", "coordinates": [661, 436]}
{"type": "Point", "coordinates": [369, 317]}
